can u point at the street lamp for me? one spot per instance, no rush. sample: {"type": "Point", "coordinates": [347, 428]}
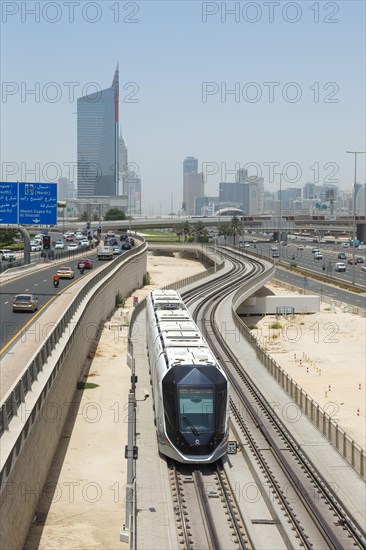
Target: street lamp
{"type": "Point", "coordinates": [354, 213]}
{"type": "Point", "coordinates": [280, 223]}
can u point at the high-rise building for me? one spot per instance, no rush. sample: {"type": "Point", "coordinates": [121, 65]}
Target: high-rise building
{"type": "Point", "coordinates": [122, 165]}
{"type": "Point", "coordinates": [190, 165]}
{"type": "Point", "coordinates": [193, 186]}
{"type": "Point", "coordinates": [65, 189]}
{"type": "Point", "coordinates": [97, 142]}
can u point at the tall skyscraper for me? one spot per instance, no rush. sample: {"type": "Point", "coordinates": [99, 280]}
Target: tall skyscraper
{"type": "Point", "coordinates": [192, 184]}
{"type": "Point", "coordinates": [97, 142]}
{"type": "Point", "coordinates": [123, 165]}
{"type": "Point", "coordinates": [193, 187]}
{"type": "Point", "coordinates": [190, 165]}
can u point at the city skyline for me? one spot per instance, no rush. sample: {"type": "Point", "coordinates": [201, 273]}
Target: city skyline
{"type": "Point", "coordinates": [271, 95]}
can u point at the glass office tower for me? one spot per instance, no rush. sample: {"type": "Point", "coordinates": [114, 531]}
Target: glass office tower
{"type": "Point", "coordinates": [97, 142]}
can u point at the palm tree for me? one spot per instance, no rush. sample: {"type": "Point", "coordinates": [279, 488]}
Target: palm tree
{"type": "Point", "coordinates": [235, 229]}
{"type": "Point", "coordinates": [186, 230]}
{"type": "Point", "coordinates": [178, 230]}
{"type": "Point", "coordinates": [199, 230]}
{"type": "Point", "coordinates": [224, 230]}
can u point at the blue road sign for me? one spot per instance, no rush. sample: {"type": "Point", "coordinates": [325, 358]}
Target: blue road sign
{"type": "Point", "coordinates": [8, 203]}
{"type": "Point", "coordinates": [28, 203]}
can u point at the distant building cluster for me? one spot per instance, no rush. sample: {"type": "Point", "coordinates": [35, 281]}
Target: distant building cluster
{"type": "Point", "coordinates": [247, 193]}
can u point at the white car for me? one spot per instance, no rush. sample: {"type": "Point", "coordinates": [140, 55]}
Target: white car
{"type": "Point", "coordinates": [340, 266]}
{"type": "Point", "coordinates": [72, 246]}
{"type": "Point", "coordinates": [59, 244]}
{"type": "Point", "coordinates": [65, 272]}
{"type": "Point", "coordinates": [274, 248]}
{"type": "Point", "coordinates": [84, 242]}
{"type": "Point", "coordinates": [7, 254]}
{"type": "Point", "coordinates": [35, 247]}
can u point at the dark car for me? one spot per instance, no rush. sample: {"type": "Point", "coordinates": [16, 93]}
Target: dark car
{"type": "Point", "coordinates": [126, 246]}
{"type": "Point", "coordinates": [25, 302]}
{"type": "Point", "coordinates": [342, 256]}
{"type": "Point", "coordinates": [131, 240]}
{"type": "Point", "coordinates": [111, 242]}
{"type": "Point", "coordinates": [359, 260]}
{"type": "Point", "coordinates": [351, 261]}
{"type": "Point", "coordinates": [123, 237]}
{"type": "Point", "coordinates": [88, 263]}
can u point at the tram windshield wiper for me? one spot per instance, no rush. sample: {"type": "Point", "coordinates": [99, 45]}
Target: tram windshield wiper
{"type": "Point", "coordinates": [187, 421]}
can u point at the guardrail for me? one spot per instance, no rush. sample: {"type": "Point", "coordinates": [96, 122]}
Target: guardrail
{"type": "Point", "coordinates": [337, 437]}
{"type": "Point", "coordinates": [16, 395]}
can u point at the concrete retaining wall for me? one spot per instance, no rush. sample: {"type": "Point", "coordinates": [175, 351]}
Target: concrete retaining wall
{"type": "Point", "coordinates": [41, 417]}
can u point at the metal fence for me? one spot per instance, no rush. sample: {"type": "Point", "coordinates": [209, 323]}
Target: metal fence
{"type": "Point", "coordinates": [345, 445]}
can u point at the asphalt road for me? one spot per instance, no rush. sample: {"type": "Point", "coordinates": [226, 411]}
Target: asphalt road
{"type": "Point", "coordinates": [305, 258]}
{"type": "Point", "coordinates": [40, 284]}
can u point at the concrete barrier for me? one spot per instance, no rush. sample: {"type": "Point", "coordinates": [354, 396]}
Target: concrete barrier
{"type": "Point", "coordinates": [32, 433]}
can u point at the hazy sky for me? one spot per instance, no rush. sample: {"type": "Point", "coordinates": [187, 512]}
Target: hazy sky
{"type": "Point", "coordinates": [295, 70]}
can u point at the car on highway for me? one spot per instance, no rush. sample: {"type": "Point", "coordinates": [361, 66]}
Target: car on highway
{"type": "Point", "coordinates": [359, 260]}
{"type": "Point", "coordinates": [351, 261]}
{"type": "Point", "coordinates": [315, 249]}
{"type": "Point", "coordinates": [275, 255]}
{"type": "Point", "coordinates": [300, 247]}
{"type": "Point", "coordinates": [35, 246]}
{"type": "Point", "coordinates": [88, 263]}
{"type": "Point", "coordinates": [126, 246]}
{"type": "Point", "coordinates": [345, 245]}
{"type": "Point", "coordinates": [116, 250]}
{"type": "Point", "coordinates": [69, 238]}
{"type": "Point", "coordinates": [25, 302]}
{"type": "Point", "coordinates": [274, 248]}
{"type": "Point", "coordinates": [6, 255]}
{"type": "Point", "coordinates": [340, 267]}
{"type": "Point", "coordinates": [72, 247]}
{"type": "Point", "coordinates": [131, 240]}
{"type": "Point", "coordinates": [342, 256]}
{"type": "Point", "coordinates": [65, 272]}
{"type": "Point", "coordinates": [318, 256]}
{"type": "Point", "coordinates": [363, 267]}
{"type": "Point", "coordinates": [59, 244]}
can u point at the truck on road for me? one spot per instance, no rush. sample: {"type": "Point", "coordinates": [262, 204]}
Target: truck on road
{"type": "Point", "coordinates": [105, 252]}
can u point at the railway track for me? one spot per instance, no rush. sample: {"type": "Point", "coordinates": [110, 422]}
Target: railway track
{"type": "Point", "coordinates": [205, 509]}
{"type": "Point", "coordinates": [311, 517]}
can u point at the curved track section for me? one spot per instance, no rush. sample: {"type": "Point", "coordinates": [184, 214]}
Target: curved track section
{"type": "Point", "coordinates": [313, 517]}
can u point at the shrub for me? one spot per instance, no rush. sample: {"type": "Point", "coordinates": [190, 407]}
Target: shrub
{"type": "Point", "coordinates": [120, 300]}
{"type": "Point", "coordinates": [275, 325]}
{"type": "Point", "coordinates": [147, 279]}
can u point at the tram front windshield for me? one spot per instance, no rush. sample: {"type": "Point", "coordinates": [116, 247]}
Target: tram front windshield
{"type": "Point", "coordinates": [196, 406]}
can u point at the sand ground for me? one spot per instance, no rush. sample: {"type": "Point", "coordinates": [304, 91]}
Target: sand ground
{"type": "Point", "coordinates": [325, 354]}
{"type": "Point", "coordinates": [84, 506]}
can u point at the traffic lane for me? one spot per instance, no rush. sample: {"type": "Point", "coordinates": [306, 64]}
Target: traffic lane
{"type": "Point", "coordinates": [39, 283]}
{"type": "Point", "coordinates": [326, 289]}
{"type": "Point", "coordinates": [305, 258]}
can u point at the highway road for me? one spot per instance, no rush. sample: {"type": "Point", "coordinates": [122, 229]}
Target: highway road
{"type": "Point", "coordinates": [39, 283]}
{"type": "Point", "coordinates": [305, 258]}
